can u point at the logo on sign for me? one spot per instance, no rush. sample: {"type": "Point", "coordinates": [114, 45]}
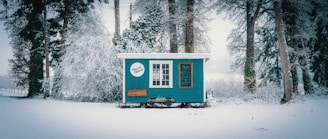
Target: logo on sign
{"type": "Point", "coordinates": [137, 69]}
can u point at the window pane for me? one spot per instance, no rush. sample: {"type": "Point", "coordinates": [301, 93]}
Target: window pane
{"type": "Point", "coordinates": [160, 76]}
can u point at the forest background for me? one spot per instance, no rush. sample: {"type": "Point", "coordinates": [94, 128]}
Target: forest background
{"type": "Point", "coordinates": [281, 43]}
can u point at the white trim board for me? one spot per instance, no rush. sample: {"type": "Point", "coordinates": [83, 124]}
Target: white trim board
{"type": "Point", "coordinates": [164, 55]}
{"type": "Point", "coordinates": [123, 91]}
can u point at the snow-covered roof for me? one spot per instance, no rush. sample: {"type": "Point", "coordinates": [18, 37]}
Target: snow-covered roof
{"type": "Point", "coordinates": [164, 55]}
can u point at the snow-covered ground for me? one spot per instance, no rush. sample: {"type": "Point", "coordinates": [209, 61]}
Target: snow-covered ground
{"type": "Point", "coordinates": [305, 117]}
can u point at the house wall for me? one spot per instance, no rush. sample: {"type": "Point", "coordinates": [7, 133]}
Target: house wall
{"type": "Point", "coordinates": [194, 94]}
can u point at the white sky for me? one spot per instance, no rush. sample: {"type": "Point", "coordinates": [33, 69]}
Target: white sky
{"type": "Point", "coordinates": [219, 31]}
{"type": "Point", "coordinates": [5, 50]}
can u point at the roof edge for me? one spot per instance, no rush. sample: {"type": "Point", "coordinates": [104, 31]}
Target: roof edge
{"type": "Point", "coordinates": [164, 55]}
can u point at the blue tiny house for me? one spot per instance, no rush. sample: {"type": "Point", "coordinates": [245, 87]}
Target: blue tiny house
{"type": "Point", "coordinates": [164, 77]}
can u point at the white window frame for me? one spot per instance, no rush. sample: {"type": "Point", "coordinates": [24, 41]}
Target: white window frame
{"type": "Point", "coordinates": [170, 63]}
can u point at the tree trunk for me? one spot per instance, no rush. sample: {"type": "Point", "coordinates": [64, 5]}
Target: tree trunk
{"type": "Point", "coordinates": [36, 71]}
{"type": "Point", "coordinates": [64, 29]}
{"type": "Point", "coordinates": [286, 69]}
{"type": "Point", "coordinates": [46, 49]}
{"type": "Point", "coordinates": [293, 63]}
{"type": "Point", "coordinates": [249, 68]}
{"type": "Point", "coordinates": [307, 81]}
{"type": "Point", "coordinates": [294, 77]}
{"type": "Point", "coordinates": [57, 75]}
{"type": "Point", "coordinates": [130, 18]}
{"type": "Point", "coordinates": [117, 19]}
{"type": "Point", "coordinates": [173, 27]}
{"type": "Point", "coordinates": [31, 33]}
{"type": "Point", "coordinates": [189, 48]}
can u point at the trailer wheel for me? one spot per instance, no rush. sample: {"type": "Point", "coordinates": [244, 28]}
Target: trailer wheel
{"type": "Point", "coordinates": [143, 105]}
{"type": "Point", "coordinates": [152, 104]}
{"type": "Point", "coordinates": [168, 102]}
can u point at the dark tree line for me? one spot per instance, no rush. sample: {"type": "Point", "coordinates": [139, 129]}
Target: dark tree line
{"type": "Point", "coordinates": [319, 53]}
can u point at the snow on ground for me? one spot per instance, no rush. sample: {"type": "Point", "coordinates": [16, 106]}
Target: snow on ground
{"type": "Point", "coordinates": [306, 117]}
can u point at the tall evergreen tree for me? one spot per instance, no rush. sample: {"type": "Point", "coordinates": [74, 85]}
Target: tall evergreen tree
{"type": "Point", "coordinates": [14, 24]}
{"type": "Point", "coordinates": [320, 49]}
{"type": "Point", "coordinates": [33, 32]}
{"type": "Point", "coordinates": [145, 33]}
{"type": "Point", "coordinates": [23, 21]}
{"type": "Point", "coordinates": [19, 63]}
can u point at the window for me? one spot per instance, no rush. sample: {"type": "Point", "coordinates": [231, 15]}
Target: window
{"type": "Point", "coordinates": [185, 75]}
{"type": "Point", "coordinates": [160, 74]}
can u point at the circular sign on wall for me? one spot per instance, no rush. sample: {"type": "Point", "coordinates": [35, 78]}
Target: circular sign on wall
{"type": "Point", "coordinates": [137, 69]}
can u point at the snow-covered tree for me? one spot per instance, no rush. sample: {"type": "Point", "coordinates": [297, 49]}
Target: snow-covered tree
{"type": "Point", "coordinates": [245, 13]}
{"type": "Point", "coordinates": [23, 21]}
{"type": "Point", "coordinates": [201, 16]}
{"type": "Point", "coordinates": [65, 13]}
{"type": "Point", "coordinates": [144, 34]}
{"type": "Point", "coordinates": [320, 49]}
{"type": "Point", "coordinates": [300, 31]}
{"type": "Point", "coordinates": [19, 63]}
{"type": "Point", "coordinates": [90, 69]}
{"type": "Point", "coordinates": [267, 56]}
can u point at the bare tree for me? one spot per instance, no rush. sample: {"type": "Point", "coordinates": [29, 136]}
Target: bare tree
{"type": "Point", "coordinates": [173, 27]}
{"type": "Point", "coordinates": [252, 13]}
{"type": "Point", "coordinates": [117, 19]}
{"type": "Point", "coordinates": [46, 49]}
{"type": "Point", "coordinates": [130, 17]}
{"type": "Point", "coordinates": [286, 69]}
{"type": "Point", "coordinates": [190, 27]}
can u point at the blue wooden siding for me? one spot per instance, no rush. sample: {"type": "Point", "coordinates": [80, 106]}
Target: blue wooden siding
{"type": "Point", "coordinates": [194, 94]}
